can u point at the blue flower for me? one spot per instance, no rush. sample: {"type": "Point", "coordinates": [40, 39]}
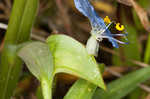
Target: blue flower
{"type": "Point", "coordinates": [99, 28]}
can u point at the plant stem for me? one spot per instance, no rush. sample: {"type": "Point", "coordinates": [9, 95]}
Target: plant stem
{"type": "Point", "coordinates": [147, 52]}
{"type": "Point", "coordinates": [19, 27]}
{"type": "Point", "coordinates": [46, 88]}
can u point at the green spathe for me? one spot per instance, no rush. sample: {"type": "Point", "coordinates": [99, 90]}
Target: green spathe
{"type": "Point", "coordinates": [39, 61]}
{"type": "Point", "coordinates": [71, 57]}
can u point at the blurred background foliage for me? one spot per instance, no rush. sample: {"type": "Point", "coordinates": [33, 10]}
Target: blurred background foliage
{"type": "Point", "coordinates": [61, 17]}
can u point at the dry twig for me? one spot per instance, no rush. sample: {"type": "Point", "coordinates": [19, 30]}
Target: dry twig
{"type": "Point", "coordinates": [117, 54]}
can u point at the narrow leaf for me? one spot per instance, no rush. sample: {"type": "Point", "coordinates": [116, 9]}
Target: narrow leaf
{"type": "Point", "coordinates": [19, 29]}
{"type": "Point", "coordinates": [121, 87]}
{"type": "Point", "coordinates": [81, 90]}
{"type": "Point", "coordinates": [147, 51]}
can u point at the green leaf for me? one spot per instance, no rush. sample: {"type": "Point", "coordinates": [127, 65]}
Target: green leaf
{"type": "Point", "coordinates": [121, 87]}
{"type": "Point", "coordinates": [71, 57]}
{"type": "Point", "coordinates": [135, 94]}
{"type": "Point", "coordinates": [38, 58]}
{"type": "Point", "coordinates": [81, 90]}
{"type": "Point", "coordinates": [39, 61]}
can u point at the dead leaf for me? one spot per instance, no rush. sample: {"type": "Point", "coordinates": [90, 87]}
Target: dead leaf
{"type": "Point", "coordinates": [143, 15]}
{"type": "Point", "coordinates": [125, 2]}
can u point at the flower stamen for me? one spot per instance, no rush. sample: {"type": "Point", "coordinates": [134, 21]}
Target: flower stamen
{"type": "Point", "coordinates": [107, 20]}
{"type": "Point", "coordinates": [119, 27]}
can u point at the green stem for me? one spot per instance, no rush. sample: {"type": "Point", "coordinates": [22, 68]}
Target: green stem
{"type": "Point", "coordinates": [46, 88]}
{"type": "Point", "coordinates": [19, 29]}
{"type": "Point", "coordinates": [147, 51]}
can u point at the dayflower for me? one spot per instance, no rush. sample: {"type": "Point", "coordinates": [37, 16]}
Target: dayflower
{"type": "Point", "coordinates": [99, 28]}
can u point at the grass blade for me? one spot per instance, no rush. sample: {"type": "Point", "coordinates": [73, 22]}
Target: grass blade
{"type": "Point", "coordinates": [121, 87]}
{"type": "Point", "coordinates": [81, 90]}
{"type": "Point", "coordinates": [19, 27]}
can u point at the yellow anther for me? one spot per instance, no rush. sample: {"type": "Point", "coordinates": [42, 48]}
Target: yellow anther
{"type": "Point", "coordinates": [107, 20]}
{"type": "Point", "coordinates": [119, 27]}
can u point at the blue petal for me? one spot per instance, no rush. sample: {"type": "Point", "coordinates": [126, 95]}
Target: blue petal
{"type": "Point", "coordinates": [98, 22]}
{"type": "Point", "coordinates": [87, 10]}
{"type": "Point", "coordinates": [110, 38]}
{"type": "Point", "coordinates": [113, 42]}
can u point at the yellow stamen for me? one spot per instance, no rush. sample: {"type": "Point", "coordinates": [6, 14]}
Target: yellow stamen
{"type": "Point", "coordinates": [119, 27]}
{"type": "Point", "coordinates": [107, 20]}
